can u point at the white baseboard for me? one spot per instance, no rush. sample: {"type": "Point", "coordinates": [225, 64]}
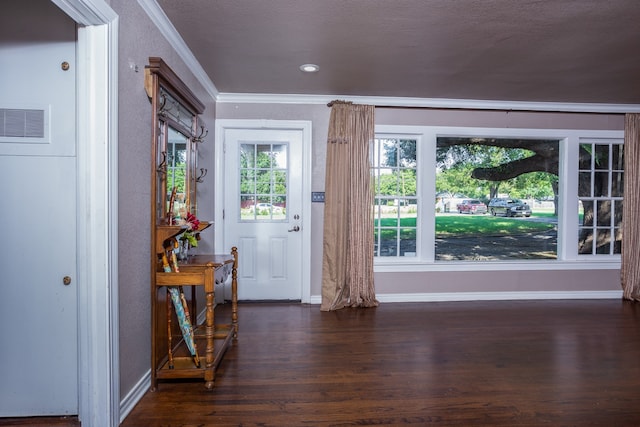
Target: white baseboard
{"type": "Point", "coordinates": [133, 397]}
{"type": "Point", "coordinates": [490, 296]}
{"type": "Point", "coordinates": [144, 384]}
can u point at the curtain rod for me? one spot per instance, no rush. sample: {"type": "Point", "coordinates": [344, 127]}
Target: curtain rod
{"type": "Point", "coordinates": [338, 101]}
{"type": "Point", "coordinates": [502, 110]}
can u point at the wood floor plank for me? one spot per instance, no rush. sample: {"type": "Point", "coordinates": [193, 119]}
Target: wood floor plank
{"type": "Point", "coordinates": [460, 363]}
{"type": "Point", "coordinates": [500, 363]}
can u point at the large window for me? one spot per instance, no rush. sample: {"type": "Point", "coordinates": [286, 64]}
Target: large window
{"type": "Point", "coordinates": [477, 195]}
{"type": "Point", "coordinates": [396, 194]}
{"type": "Point", "coordinates": [496, 198]}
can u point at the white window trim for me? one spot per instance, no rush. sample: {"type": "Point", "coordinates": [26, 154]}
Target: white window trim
{"type": "Point", "coordinates": [420, 206]}
{"type": "Point", "coordinates": [568, 258]}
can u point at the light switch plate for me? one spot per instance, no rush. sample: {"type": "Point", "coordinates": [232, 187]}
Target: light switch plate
{"type": "Point", "coordinates": [317, 196]}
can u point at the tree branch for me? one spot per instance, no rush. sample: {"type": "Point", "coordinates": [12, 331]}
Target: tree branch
{"type": "Point", "coordinates": [535, 163]}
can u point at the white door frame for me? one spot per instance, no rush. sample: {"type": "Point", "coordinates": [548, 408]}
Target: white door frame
{"type": "Point", "coordinates": [97, 219]}
{"type": "Point", "coordinates": [219, 224]}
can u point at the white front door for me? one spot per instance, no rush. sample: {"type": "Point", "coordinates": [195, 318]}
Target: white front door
{"type": "Point", "coordinates": [264, 213]}
{"type": "Point", "coordinates": [38, 306]}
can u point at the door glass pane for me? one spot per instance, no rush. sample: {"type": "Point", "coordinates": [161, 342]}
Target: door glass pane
{"type": "Point", "coordinates": [247, 155]}
{"type": "Point", "coordinates": [279, 156]}
{"type": "Point", "coordinates": [248, 181]}
{"type": "Point", "coordinates": [263, 181]}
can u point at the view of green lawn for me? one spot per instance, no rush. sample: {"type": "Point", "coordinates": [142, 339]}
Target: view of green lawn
{"type": "Point", "coordinates": [469, 225]}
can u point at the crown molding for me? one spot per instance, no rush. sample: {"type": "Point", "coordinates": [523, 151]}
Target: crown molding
{"type": "Point", "coordinates": [162, 22]}
{"type": "Point", "coordinates": [438, 103]}
{"type": "Point", "coordinates": [87, 12]}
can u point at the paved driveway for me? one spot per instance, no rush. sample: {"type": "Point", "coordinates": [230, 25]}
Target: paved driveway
{"type": "Point", "coordinates": [513, 247]}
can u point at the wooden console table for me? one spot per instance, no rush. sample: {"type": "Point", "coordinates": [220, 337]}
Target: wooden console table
{"type": "Point", "coordinates": [205, 271]}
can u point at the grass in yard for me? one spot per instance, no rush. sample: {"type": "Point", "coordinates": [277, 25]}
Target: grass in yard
{"type": "Point", "coordinates": [459, 225]}
{"type": "Point", "coordinates": [470, 225]}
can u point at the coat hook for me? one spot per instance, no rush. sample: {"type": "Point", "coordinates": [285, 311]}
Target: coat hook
{"type": "Point", "coordinates": [162, 167]}
{"type": "Point", "coordinates": [203, 133]}
{"type": "Point", "coordinates": [163, 101]}
{"type": "Point", "coordinates": [203, 173]}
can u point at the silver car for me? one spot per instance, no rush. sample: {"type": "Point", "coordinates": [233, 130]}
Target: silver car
{"type": "Point", "coordinates": [509, 207]}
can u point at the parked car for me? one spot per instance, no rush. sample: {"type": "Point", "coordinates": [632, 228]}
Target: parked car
{"type": "Point", "coordinates": [267, 207]}
{"type": "Point", "coordinates": [509, 207]}
{"type": "Point", "coordinates": [472, 206]}
{"type": "Point", "coordinates": [448, 201]}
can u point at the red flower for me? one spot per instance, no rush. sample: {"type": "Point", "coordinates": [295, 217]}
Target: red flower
{"type": "Point", "coordinates": [192, 222]}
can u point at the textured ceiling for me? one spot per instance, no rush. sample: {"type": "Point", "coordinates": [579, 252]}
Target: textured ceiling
{"type": "Point", "coordinates": [583, 51]}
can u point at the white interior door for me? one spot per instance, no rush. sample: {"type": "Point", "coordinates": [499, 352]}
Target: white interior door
{"type": "Point", "coordinates": [263, 210]}
{"type": "Point", "coordinates": [38, 308]}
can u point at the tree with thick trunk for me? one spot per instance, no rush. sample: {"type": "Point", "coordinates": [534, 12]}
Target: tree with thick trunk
{"type": "Point", "coordinates": [545, 159]}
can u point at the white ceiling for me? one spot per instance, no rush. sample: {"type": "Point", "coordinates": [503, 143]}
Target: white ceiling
{"type": "Point", "coordinates": [575, 51]}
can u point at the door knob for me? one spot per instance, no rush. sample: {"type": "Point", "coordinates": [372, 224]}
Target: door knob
{"type": "Point", "coordinates": [295, 228]}
{"type": "Point", "coordinates": [66, 280]}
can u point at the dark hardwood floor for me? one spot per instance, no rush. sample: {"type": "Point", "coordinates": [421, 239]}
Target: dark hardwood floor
{"type": "Point", "coordinates": [559, 363]}
{"type": "Point", "coordinates": [504, 363]}
{"type": "Point", "coordinates": [40, 422]}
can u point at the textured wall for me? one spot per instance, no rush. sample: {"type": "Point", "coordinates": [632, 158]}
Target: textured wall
{"type": "Point", "coordinates": [439, 281]}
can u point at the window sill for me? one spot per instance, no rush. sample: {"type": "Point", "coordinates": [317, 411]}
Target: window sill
{"type": "Point", "coordinates": [589, 263]}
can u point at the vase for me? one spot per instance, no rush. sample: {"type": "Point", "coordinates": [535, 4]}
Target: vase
{"type": "Point", "coordinates": [185, 248]}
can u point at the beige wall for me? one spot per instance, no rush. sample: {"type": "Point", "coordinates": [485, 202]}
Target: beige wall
{"type": "Point", "coordinates": [440, 281]}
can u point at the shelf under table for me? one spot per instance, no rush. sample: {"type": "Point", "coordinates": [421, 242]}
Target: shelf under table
{"type": "Point", "coordinates": [205, 271]}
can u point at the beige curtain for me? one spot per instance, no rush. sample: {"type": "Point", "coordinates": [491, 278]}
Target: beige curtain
{"type": "Point", "coordinates": [631, 209]}
{"type": "Point", "coordinates": [347, 262]}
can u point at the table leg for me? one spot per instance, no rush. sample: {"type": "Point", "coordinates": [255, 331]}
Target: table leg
{"type": "Point", "coordinates": [169, 336]}
{"type": "Point", "coordinates": [234, 292]}
{"type": "Point", "coordinates": [209, 372]}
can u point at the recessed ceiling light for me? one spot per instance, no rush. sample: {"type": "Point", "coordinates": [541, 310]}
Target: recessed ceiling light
{"type": "Point", "coordinates": [309, 68]}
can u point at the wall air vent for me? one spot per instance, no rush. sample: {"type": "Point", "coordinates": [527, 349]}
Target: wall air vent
{"type": "Point", "coordinates": [15, 123]}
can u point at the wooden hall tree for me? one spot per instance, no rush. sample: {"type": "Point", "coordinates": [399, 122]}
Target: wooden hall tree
{"type": "Point", "coordinates": [182, 348]}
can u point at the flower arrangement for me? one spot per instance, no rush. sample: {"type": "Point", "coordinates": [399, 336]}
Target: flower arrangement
{"type": "Point", "coordinates": [191, 236]}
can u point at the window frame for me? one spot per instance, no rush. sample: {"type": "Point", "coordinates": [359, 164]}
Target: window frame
{"type": "Point", "coordinates": [417, 196]}
{"type": "Point", "coordinates": [567, 248]}
{"type": "Point", "coordinates": [609, 170]}
{"type": "Point", "coordinates": [257, 196]}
